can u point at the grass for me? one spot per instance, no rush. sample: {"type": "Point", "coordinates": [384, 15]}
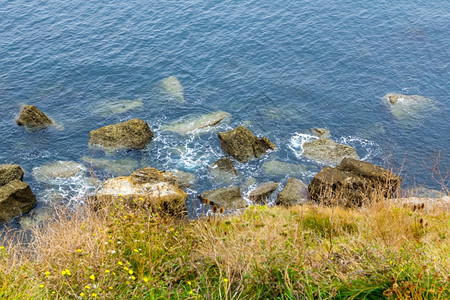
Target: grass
{"type": "Point", "coordinates": [303, 252]}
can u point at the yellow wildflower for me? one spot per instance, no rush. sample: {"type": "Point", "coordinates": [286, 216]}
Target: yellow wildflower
{"type": "Point", "coordinates": [79, 250]}
{"type": "Point", "coordinates": [131, 272]}
{"type": "Point", "coordinates": [145, 279]}
{"type": "Point", "coordinates": [132, 277]}
{"type": "Point", "coordinates": [225, 280]}
{"type": "Point", "coordinates": [107, 271]}
{"type": "Point", "coordinates": [94, 295]}
{"type": "Point", "coordinates": [68, 272]}
{"type": "Point", "coordinates": [110, 287]}
{"type": "Point", "coordinates": [63, 272]}
{"type": "Point", "coordinates": [92, 277]}
{"type": "Point", "coordinates": [81, 294]}
{"type": "Point", "coordinates": [41, 286]}
{"type": "Point", "coordinates": [87, 287]}
{"type": "Point", "coordinates": [120, 263]}
{"type": "Point", "coordinates": [47, 273]}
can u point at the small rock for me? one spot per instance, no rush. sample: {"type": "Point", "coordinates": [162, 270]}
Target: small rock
{"type": "Point", "coordinates": [223, 170]}
{"type": "Point", "coordinates": [241, 144]}
{"type": "Point", "coordinates": [295, 192]}
{"type": "Point", "coordinates": [133, 134]}
{"type": "Point", "coordinates": [16, 198]}
{"type": "Point", "coordinates": [185, 179]}
{"type": "Point", "coordinates": [33, 117]}
{"type": "Point", "coordinates": [281, 169]}
{"type": "Point", "coordinates": [9, 173]}
{"type": "Point", "coordinates": [228, 198]}
{"type": "Point", "coordinates": [327, 151]}
{"type": "Point", "coordinates": [172, 86]}
{"type": "Point", "coordinates": [192, 123]}
{"type": "Point", "coordinates": [47, 173]}
{"type": "Point", "coordinates": [321, 133]}
{"type": "Point", "coordinates": [262, 193]}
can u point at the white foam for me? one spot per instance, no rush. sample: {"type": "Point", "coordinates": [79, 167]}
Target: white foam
{"type": "Point", "coordinates": [297, 142]}
{"type": "Point", "coordinates": [371, 148]}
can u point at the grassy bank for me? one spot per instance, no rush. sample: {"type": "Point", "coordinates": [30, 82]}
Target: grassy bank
{"type": "Point", "coordinates": [276, 253]}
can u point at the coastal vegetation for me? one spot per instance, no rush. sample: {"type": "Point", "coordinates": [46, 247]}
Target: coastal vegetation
{"type": "Point", "coordinates": [123, 251]}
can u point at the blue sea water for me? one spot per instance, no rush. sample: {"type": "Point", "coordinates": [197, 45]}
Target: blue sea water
{"type": "Point", "coordinates": [280, 67]}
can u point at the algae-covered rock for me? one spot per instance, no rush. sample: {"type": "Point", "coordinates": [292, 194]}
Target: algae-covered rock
{"type": "Point", "coordinates": [16, 198]}
{"type": "Point", "coordinates": [262, 193]}
{"type": "Point", "coordinates": [32, 117]}
{"type": "Point", "coordinates": [294, 192]}
{"type": "Point", "coordinates": [111, 107]}
{"type": "Point", "coordinates": [48, 172]}
{"type": "Point", "coordinates": [9, 173]}
{"type": "Point", "coordinates": [228, 198]}
{"type": "Point", "coordinates": [133, 134]}
{"type": "Point", "coordinates": [281, 169]}
{"type": "Point", "coordinates": [409, 108]}
{"type": "Point", "coordinates": [173, 88]}
{"type": "Point", "coordinates": [192, 123]}
{"type": "Point", "coordinates": [352, 183]}
{"type": "Point", "coordinates": [146, 187]}
{"type": "Point", "coordinates": [328, 152]}
{"type": "Point", "coordinates": [120, 167]}
{"type": "Point", "coordinates": [241, 144]}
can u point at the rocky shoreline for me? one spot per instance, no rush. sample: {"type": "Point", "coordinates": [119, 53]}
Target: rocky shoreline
{"type": "Point", "coordinates": [346, 180]}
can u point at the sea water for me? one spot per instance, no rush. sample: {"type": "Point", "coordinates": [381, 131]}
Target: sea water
{"type": "Point", "coordinates": [279, 67]}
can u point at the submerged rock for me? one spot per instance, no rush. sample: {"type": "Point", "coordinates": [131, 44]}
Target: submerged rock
{"type": "Point", "coordinates": [33, 117]}
{"type": "Point", "coordinates": [120, 167]}
{"type": "Point", "coordinates": [173, 88]}
{"type": "Point", "coordinates": [281, 169]}
{"type": "Point", "coordinates": [16, 198]}
{"type": "Point", "coordinates": [262, 193]}
{"type": "Point", "coordinates": [352, 183]}
{"type": "Point", "coordinates": [37, 217]}
{"type": "Point", "coordinates": [241, 144]}
{"type": "Point", "coordinates": [321, 133]}
{"type": "Point", "coordinates": [185, 179]}
{"type": "Point", "coordinates": [146, 187]}
{"type": "Point", "coordinates": [107, 108]}
{"type": "Point", "coordinates": [407, 108]}
{"type": "Point", "coordinates": [228, 198]}
{"type": "Point", "coordinates": [133, 134]}
{"type": "Point", "coordinates": [9, 173]}
{"type": "Point", "coordinates": [192, 123]}
{"type": "Point", "coordinates": [295, 192]}
{"type": "Point", "coordinates": [47, 173]}
{"type": "Point", "coordinates": [223, 170]}
{"type": "Point", "coordinates": [328, 152]}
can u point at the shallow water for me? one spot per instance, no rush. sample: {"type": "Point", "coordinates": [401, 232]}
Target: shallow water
{"type": "Point", "coordinates": [282, 67]}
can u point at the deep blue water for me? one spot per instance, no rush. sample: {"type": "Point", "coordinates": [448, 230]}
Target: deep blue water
{"type": "Point", "coordinates": [281, 67]}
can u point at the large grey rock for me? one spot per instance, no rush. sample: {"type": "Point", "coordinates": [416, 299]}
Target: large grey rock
{"type": "Point", "coordinates": [409, 108]}
{"type": "Point", "coordinates": [352, 183]}
{"type": "Point", "coordinates": [241, 144]}
{"type": "Point", "coordinates": [328, 152]}
{"type": "Point", "coordinates": [294, 192]}
{"type": "Point", "coordinates": [109, 107]}
{"type": "Point", "coordinates": [262, 193]}
{"type": "Point", "coordinates": [133, 134]}
{"type": "Point", "coordinates": [173, 88]}
{"type": "Point", "coordinates": [196, 123]}
{"type": "Point", "coordinates": [16, 198]}
{"type": "Point", "coordinates": [228, 198]}
{"type": "Point", "coordinates": [48, 172]}
{"type": "Point", "coordinates": [146, 187]}
{"type": "Point", "coordinates": [32, 117]}
{"type": "Point", "coordinates": [281, 169]}
{"type": "Point", "coordinates": [9, 173]}
{"type": "Point", "coordinates": [185, 179]}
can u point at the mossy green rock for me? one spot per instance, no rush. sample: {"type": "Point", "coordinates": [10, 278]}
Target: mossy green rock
{"type": "Point", "coordinates": [228, 198]}
{"type": "Point", "coordinates": [16, 198]}
{"type": "Point", "coordinates": [243, 145]}
{"type": "Point", "coordinates": [294, 192]}
{"type": "Point", "coordinates": [353, 183]}
{"type": "Point", "coordinates": [132, 134]}
{"type": "Point", "coordinates": [9, 173]}
{"type": "Point", "coordinates": [33, 117]}
{"type": "Point", "coordinates": [328, 152]}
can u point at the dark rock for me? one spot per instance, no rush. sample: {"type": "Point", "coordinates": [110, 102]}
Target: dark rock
{"type": "Point", "coordinates": [262, 193]}
{"type": "Point", "coordinates": [353, 183]}
{"type": "Point", "coordinates": [133, 134]}
{"type": "Point", "coordinates": [9, 173]}
{"type": "Point", "coordinates": [241, 144]}
{"type": "Point", "coordinates": [321, 133]}
{"type": "Point", "coordinates": [16, 198]}
{"type": "Point", "coordinates": [31, 116]}
{"type": "Point", "coordinates": [228, 198]}
{"type": "Point", "coordinates": [327, 151]}
{"type": "Point", "coordinates": [295, 192]}
{"type": "Point", "coordinates": [224, 165]}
